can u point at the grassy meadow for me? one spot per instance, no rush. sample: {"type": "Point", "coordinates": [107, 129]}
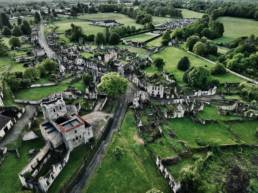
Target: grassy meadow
{"type": "Point", "coordinates": [135, 172]}
{"type": "Point", "coordinates": [237, 27]}
{"type": "Point", "coordinates": [39, 93]}
{"type": "Point", "coordinates": [191, 14]}
{"type": "Point", "coordinates": [140, 37]}
{"type": "Point", "coordinates": [172, 55]}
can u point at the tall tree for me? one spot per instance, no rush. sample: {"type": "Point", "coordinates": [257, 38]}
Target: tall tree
{"type": "Point", "coordinates": [14, 42]}
{"type": "Point", "coordinates": [114, 39]}
{"type": "Point", "coordinates": [99, 38]}
{"type": "Point", "coordinates": [16, 31]}
{"type": "Point", "coordinates": [3, 48]}
{"type": "Point", "coordinates": [4, 20]}
{"type": "Point", "coordinates": [37, 17]}
{"type": "Point", "coordinates": [25, 28]}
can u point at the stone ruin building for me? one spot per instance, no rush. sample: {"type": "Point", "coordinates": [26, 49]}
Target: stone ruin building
{"type": "Point", "coordinates": [63, 130]}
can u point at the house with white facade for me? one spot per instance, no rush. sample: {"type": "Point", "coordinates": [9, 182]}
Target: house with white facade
{"type": "Point", "coordinates": [63, 130]}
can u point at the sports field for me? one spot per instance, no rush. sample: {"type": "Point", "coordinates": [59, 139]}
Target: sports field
{"type": "Point", "coordinates": [191, 14]}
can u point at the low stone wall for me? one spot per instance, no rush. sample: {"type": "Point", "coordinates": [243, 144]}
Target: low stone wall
{"type": "Point", "coordinates": [43, 85]}
{"type": "Point", "coordinates": [19, 101]}
{"type": "Point", "coordinates": [174, 186]}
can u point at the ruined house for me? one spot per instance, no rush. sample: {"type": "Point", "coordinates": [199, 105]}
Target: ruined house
{"type": "Point", "coordinates": [63, 130]}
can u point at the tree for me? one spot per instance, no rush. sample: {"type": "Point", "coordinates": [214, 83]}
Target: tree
{"type": "Point", "coordinates": [99, 38]}
{"type": "Point", "coordinates": [183, 63]}
{"type": "Point", "coordinates": [107, 35]}
{"type": "Point", "coordinates": [19, 21]}
{"type": "Point", "coordinates": [197, 77]}
{"type": "Point", "coordinates": [75, 33]}
{"type": "Point", "coordinates": [159, 63]}
{"type": "Point", "coordinates": [14, 42]}
{"type": "Point", "coordinates": [16, 31]}
{"type": "Point", "coordinates": [114, 38]}
{"type": "Point", "coordinates": [4, 21]}
{"type": "Point", "coordinates": [6, 31]}
{"type": "Point", "coordinates": [31, 74]}
{"type": "Point", "coordinates": [191, 41]}
{"type": "Point", "coordinates": [3, 49]}
{"type": "Point", "coordinates": [87, 78]}
{"type": "Point", "coordinates": [113, 84]}
{"type": "Point", "coordinates": [237, 181]}
{"type": "Point", "coordinates": [199, 48]}
{"type": "Point", "coordinates": [165, 38]}
{"type": "Point", "coordinates": [25, 28]}
{"type": "Point", "coordinates": [49, 65]}
{"type": "Point", "coordinates": [37, 17]}
{"type": "Point", "coordinates": [218, 69]}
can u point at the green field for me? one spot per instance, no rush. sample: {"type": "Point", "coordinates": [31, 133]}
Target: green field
{"type": "Point", "coordinates": [141, 52]}
{"type": "Point", "coordinates": [191, 14]}
{"type": "Point", "coordinates": [172, 55]}
{"type": "Point", "coordinates": [155, 43]}
{"type": "Point", "coordinates": [215, 170]}
{"type": "Point", "coordinates": [220, 133]}
{"type": "Point", "coordinates": [135, 172]}
{"type": "Point", "coordinates": [140, 37]}
{"type": "Point", "coordinates": [65, 24]}
{"type": "Point", "coordinates": [39, 93]}
{"type": "Point", "coordinates": [12, 165]}
{"type": "Point", "coordinates": [120, 18]}
{"type": "Point", "coordinates": [8, 65]}
{"type": "Point", "coordinates": [237, 27]}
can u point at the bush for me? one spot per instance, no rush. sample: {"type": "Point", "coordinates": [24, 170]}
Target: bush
{"type": "Point", "coordinates": [218, 69]}
{"type": "Point", "coordinates": [183, 64]}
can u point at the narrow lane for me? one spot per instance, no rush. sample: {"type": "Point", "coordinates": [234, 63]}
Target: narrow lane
{"type": "Point", "coordinates": [98, 156]}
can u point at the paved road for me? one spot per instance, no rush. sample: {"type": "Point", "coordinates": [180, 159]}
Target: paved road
{"type": "Point", "coordinates": [43, 42]}
{"type": "Point", "coordinates": [96, 159]}
{"type": "Point", "coordinates": [14, 134]}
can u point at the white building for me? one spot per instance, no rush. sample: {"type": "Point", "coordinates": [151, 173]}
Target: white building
{"type": "Point", "coordinates": [63, 131]}
{"type": "Point", "coordinates": [6, 124]}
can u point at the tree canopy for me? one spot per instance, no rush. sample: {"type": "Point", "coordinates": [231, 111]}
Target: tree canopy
{"type": "Point", "coordinates": [113, 84]}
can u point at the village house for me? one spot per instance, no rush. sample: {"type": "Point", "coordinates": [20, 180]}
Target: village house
{"type": "Point", "coordinates": [63, 130]}
{"type": "Point", "coordinates": [157, 85]}
{"type": "Point", "coordinates": [239, 109]}
{"type": "Point", "coordinates": [6, 124]}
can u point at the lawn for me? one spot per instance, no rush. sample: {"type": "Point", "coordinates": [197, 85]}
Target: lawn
{"type": "Point", "coordinates": [191, 132]}
{"type": "Point", "coordinates": [141, 52]}
{"type": "Point", "coordinates": [39, 93]}
{"type": "Point", "coordinates": [120, 18]}
{"type": "Point", "coordinates": [12, 165]}
{"type": "Point", "coordinates": [220, 133]}
{"type": "Point", "coordinates": [172, 55]}
{"type": "Point", "coordinates": [86, 54]}
{"type": "Point", "coordinates": [237, 27]}
{"type": "Point", "coordinates": [140, 37]}
{"type": "Point", "coordinates": [155, 43]}
{"type": "Point", "coordinates": [8, 65]}
{"type": "Point", "coordinates": [191, 14]}
{"type": "Point", "coordinates": [134, 172]}
{"type": "Point", "coordinates": [65, 24]}
{"type": "Point", "coordinates": [211, 112]}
